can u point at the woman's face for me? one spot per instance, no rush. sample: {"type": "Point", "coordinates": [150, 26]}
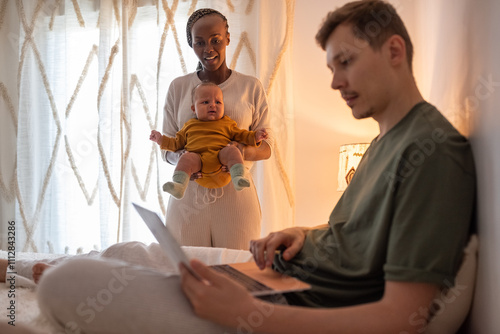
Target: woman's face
{"type": "Point", "coordinates": [210, 39]}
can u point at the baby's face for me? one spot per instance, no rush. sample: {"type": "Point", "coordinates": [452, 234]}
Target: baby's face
{"type": "Point", "coordinates": [208, 103]}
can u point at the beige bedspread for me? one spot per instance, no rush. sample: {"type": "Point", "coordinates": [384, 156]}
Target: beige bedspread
{"type": "Point", "coordinates": [25, 309]}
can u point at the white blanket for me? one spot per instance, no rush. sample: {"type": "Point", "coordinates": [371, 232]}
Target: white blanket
{"type": "Point", "coordinates": [24, 298]}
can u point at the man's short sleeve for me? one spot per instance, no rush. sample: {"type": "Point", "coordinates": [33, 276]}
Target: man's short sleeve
{"type": "Point", "coordinates": [434, 192]}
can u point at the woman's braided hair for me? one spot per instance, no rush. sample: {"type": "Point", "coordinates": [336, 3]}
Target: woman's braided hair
{"type": "Point", "coordinates": [198, 15]}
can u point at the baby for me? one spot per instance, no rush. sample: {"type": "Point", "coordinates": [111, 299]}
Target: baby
{"type": "Point", "coordinates": [206, 139]}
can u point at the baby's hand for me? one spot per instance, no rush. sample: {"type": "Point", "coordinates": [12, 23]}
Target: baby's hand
{"type": "Point", "coordinates": [155, 136]}
{"type": "Point", "coordinates": [260, 135]}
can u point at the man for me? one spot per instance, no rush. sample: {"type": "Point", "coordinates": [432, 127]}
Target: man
{"type": "Point", "coordinates": [396, 235]}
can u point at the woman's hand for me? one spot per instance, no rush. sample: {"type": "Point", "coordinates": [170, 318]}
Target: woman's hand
{"type": "Point", "coordinates": [290, 240]}
{"type": "Point", "coordinates": [196, 176]}
{"type": "Point", "coordinates": [216, 297]}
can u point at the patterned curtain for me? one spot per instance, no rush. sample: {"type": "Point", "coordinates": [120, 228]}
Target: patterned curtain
{"type": "Point", "coordinates": [82, 84]}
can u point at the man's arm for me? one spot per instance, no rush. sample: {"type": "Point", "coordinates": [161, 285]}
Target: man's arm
{"type": "Point", "coordinates": [402, 309]}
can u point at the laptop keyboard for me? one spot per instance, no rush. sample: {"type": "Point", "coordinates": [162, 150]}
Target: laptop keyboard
{"type": "Point", "coordinates": [248, 282]}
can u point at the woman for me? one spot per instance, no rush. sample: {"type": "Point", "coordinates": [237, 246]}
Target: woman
{"type": "Point", "coordinates": [216, 217]}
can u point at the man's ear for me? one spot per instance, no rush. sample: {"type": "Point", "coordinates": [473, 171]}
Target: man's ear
{"type": "Point", "coordinates": [228, 37]}
{"type": "Point", "coordinates": [397, 50]}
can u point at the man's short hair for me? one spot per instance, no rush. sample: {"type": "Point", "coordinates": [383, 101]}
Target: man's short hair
{"type": "Point", "coordinates": [372, 20]}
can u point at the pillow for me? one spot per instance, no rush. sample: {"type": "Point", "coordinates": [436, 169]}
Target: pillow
{"type": "Point", "coordinates": [451, 306]}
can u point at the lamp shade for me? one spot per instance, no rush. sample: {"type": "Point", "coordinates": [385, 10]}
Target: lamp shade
{"type": "Point", "coordinates": [349, 157]}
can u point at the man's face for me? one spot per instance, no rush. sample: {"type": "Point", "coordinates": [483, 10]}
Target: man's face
{"type": "Point", "coordinates": [359, 73]}
{"type": "Point", "coordinates": [208, 103]}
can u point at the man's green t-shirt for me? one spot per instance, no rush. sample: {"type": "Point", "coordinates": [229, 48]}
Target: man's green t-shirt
{"type": "Point", "coordinates": [405, 216]}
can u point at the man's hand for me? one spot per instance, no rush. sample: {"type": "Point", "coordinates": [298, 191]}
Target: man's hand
{"type": "Point", "coordinates": [260, 135]}
{"type": "Point", "coordinates": [290, 240]}
{"type": "Point", "coordinates": [216, 297]}
{"type": "Point", "coordinates": [155, 136]}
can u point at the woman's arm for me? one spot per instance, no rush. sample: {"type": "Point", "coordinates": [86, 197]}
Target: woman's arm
{"type": "Point", "coordinates": [253, 145]}
{"type": "Point", "coordinates": [251, 153]}
{"type": "Point", "coordinates": [261, 119]}
{"type": "Point", "coordinates": [254, 153]}
{"type": "Point", "coordinates": [173, 118]}
{"type": "Point", "coordinates": [170, 125]}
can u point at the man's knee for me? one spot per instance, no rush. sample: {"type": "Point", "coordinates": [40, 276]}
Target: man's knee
{"type": "Point", "coordinates": [123, 250]}
{"type": "Point", "coordinates": [75, 293]}
{"type": "Point", "coordinates": [54, 279]}
{"type": "Point", "coordinates": [57, 286]}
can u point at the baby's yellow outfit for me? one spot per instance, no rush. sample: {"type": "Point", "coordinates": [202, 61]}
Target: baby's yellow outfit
{"type": "Point", "coordinates": [207, 138]}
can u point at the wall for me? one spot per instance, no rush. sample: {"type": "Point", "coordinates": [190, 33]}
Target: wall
{"type": "Point", "coordinates": [485, 137]}
{"type": "Point", "coordinates": [323, 122]}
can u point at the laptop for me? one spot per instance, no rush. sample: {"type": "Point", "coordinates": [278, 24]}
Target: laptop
{"type": "Point", "coordinates": [258, 282]}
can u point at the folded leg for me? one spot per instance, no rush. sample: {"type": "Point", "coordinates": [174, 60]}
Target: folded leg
{"type": "Point", "coordinates": [109, 296]}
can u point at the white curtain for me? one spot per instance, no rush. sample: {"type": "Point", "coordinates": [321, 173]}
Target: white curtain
{"type": "Point", "coordinates": [9, 36]}
{"type": "Point", "coordinates": [80, 90]}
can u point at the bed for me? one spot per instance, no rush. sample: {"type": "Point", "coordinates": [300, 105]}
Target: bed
{"type": "Point", "coordinates": [24, 298]}
{"type": "Point", "coordinates": [451, 306]}
{"type": "Point", "coordinates": [27, 312]}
